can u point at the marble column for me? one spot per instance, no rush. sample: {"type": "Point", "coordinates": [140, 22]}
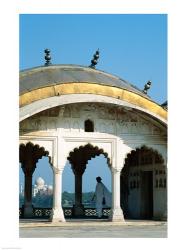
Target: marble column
{"type": "Point", "coordinates": [28, 208]}
{"type": "Point", "coordinates": [116, 211]}
{"type": "Point", "coordinates": [29, 156]}
{"type": "Point", "coordinates": [78, 207]}
{"type": "Point", "coordinates": [57, 214]}
{"type": "Point", "coordinates": [28, 169]}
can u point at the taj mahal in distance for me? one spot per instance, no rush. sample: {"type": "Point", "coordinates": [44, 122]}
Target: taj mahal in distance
{"type": "Point", "coordinates": [75, 113]}
{"type": "Point", "coordinates": [39, 188]}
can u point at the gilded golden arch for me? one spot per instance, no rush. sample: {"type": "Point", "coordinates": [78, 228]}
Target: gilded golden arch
{"type": "Point", "coordinates": [92, 88]}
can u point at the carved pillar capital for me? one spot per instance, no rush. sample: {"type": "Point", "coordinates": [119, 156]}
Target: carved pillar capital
{"type": "Point", "coordinates": [116, 170]}
{"type": "Point", "coordinates": [57, 170]}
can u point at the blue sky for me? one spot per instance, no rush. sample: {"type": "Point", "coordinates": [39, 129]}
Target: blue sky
{"type": "Point", "coordinates": [134, 47]}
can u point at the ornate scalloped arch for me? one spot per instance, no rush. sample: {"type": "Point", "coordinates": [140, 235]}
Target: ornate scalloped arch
{"type": "Point", "coordinates": [92, 151]}
{"type": "Point", "coordinates": [30, 148]}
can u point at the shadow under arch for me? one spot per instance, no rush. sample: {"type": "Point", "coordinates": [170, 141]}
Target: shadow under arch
{"type": "Point", "coordinates": [143, 184]}
{"type": "Point", "coordinates": [78, 158]}
{"type": "Point", "coordinates": [135, 152]}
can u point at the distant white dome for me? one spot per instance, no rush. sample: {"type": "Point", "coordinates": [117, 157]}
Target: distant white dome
{"type": "Point", "coordinates": [50, 187]}
{"type": "Point", "coordinates": [40, 182]}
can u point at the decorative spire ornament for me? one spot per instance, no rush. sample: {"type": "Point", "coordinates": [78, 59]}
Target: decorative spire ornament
{"type": "Point", "coordinates": [47, 57]}
{"type": "Point", "coordinates": [146, 87]}
{"type": "Point", "coordinates": [95, 59]}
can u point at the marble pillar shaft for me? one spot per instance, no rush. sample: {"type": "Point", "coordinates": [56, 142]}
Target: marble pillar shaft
{"type": "Point", "coordinates": [116, 189]}
{"type": "Point", "coordinates": [28, 189]}
{"type": "Point", "coordinates": [57, 189]}
{"type": "Point", "coordinates": [28, 172]}
{"type": "Point", "coordinates": [78, 189]}
{"type": "Point", "coordinates": [57, 214]}
{"type": "Point", "coordinates": [116, 212]}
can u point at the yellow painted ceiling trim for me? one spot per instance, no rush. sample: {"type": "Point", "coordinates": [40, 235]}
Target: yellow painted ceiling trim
{"type": "Point", "coordinates": [92, 88]}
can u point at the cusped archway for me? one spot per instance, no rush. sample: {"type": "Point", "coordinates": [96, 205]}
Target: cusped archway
{"type": "Point", "coordinates": [29, 155]}
{"type": "Point", "coordinates": [84, 153]}
{"type": "Point", "coordinates": [78, 158]}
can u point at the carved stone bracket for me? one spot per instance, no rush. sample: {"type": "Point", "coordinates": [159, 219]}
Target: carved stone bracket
{"type": "Point", "coordinates": [29, 155]}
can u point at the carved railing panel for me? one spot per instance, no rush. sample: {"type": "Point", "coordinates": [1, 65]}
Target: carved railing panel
{"type": "Point", "coordinates": [68, 212]}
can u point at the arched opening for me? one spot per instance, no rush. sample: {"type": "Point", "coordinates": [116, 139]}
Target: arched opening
{"type": "Point", "coordinates": [96, 166]}
{"type": "Point", "coordinates": [29, 156]}
{"type": "Point", "coordinates": [83, 162]}
{"type": "Point", "coordinates": [143, 185]}
{"type": "Point", "coordinates": [88, 126]}
{"type": "Point", "coordinates": [42, 186]}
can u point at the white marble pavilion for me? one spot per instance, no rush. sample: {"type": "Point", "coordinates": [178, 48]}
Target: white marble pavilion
{"type": "Point", "coordinates": [70, 112]}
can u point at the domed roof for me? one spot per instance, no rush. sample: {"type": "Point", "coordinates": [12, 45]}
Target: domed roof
{"type": "Point", "coordinates": [50, 187]}
{"type": "Point", "coordinates": [57, 74]}
{"type": "Point", "coordinates": [48, 86]}
{"type": "Point", "coordinates": [40, 181]}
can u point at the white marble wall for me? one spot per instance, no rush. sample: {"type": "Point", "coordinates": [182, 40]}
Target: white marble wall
{"type": "Point", "coordinates": [107, 119]}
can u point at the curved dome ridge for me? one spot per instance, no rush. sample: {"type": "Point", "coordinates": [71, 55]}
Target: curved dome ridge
{"type": "Point", "coordinates": [43, 76]}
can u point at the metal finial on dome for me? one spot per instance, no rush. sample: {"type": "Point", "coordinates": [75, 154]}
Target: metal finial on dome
{"type": "Point", "coordinates": [95, 59]}
{"type": "Point", "coordinates": [165, 105]}
{"type": "Point", "coordinates": [47, 57]}
{"type": "Point", "coordinates": [146, 87]}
